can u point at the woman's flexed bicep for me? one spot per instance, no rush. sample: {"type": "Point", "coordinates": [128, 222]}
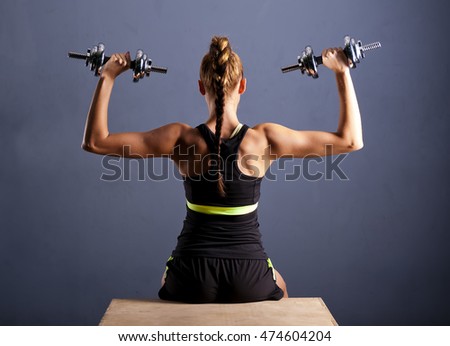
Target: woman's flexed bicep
{"type": "Point", "coordinates": [286, 142]}
{"type": "Point", "coordinates": [158, 142]}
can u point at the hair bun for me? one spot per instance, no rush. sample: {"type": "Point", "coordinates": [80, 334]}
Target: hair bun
{"type": "Point", "coordinates": [220, 49]}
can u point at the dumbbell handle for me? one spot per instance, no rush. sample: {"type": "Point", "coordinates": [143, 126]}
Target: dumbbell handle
{"type": "Point", "coordinates": [286, 69]}
{"type": "Point", "coordinates": [74, 55]}
{"type": "Point", "coordinates": [132, 63]}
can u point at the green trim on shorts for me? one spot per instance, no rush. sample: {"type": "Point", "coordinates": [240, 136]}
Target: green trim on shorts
{"type": "Point", "coordinates": [270, 265]}
{"type": "Point", "coordinates": [167, 268]}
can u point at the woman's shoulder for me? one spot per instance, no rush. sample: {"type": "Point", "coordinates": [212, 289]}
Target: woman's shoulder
{"type": "Point", "coordinates": [257, 136]}
{"type": "Point", "coordinates": [265, 130]}
{"type": "Point", "coordinates": [180, 129]}
{"type": "Point", "coordinates": [264, 127]}
{"type": "Point", "coordinates": [271, 131]}
{"type": "Point", "coordinates": [190, 135]}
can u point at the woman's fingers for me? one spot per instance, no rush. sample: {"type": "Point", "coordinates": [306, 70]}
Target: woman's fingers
{"type": "Point", "coordinates": [123, 59]}
{"type": "Point", "coordinates": [330, 52]}
{"type": "Point", "coordinates": [335, 59]}
{"type": "Point", "coordinates": [118, 63]}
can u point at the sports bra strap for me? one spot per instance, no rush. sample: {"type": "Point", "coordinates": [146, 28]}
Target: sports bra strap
{"type": "Point", "coordinates": [236, 130]}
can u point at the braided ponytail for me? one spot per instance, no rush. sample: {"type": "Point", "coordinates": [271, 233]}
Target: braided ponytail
{"type": "Point", "coordinates": [220, 71]}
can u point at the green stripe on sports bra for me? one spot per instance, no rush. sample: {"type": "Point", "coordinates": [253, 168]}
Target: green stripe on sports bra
{"type": "Point", "coordinates": [236, 130]}
{"type": "Point", "coordinates": [214, 210]}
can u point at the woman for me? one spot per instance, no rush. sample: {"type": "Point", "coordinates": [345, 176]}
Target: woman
{"type": "Point", "coordinates": [219, 256]}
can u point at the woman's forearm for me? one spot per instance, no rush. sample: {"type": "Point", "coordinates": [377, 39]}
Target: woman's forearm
{"type": "Point", "coordinates": [96, 127]}
{"type": "Point", "coordinates": [349, 127]}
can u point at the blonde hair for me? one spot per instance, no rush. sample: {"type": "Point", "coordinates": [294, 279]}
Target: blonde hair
{"type": "Point", "coordinates": [220, 72]}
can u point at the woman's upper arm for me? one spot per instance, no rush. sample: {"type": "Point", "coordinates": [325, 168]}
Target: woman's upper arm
{"type": "Point", "coordinates": [157, 142]}
{"type": "Point", "coordinates": [284, 141]}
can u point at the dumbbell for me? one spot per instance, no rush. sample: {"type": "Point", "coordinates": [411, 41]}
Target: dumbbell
{"type": "Point", "coordinates": [353, 50]}
{"type": "Point", "coordinates": [95, 58]}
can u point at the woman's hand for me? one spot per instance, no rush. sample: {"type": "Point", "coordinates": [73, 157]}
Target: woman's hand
{"type": "Point", "coordinates": [117, 64]}
{"type": "Point", "coordinates": [335, 60]}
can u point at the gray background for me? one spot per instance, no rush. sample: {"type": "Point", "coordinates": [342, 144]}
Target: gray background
{"type": "Point", "coordinates": [374, 247]}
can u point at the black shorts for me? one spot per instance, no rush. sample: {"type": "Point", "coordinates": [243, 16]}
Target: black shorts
{"type": "Point", "coordinates": [219, 280]}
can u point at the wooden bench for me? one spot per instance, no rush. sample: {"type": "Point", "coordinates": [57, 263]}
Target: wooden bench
{"type": "Point", "coordinates": [285, 312]}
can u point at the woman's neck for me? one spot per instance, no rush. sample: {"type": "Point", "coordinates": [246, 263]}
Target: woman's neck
{"type": "Point", "coordinates": [229, 123]}
{"type": "Point", "coordinates": [230, 118]}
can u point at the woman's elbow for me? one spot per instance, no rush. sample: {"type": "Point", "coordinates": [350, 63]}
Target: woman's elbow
{"type": "Point", "coordinates": [354, 146]}
{"type": "Point", "coordinates": [89, 147]}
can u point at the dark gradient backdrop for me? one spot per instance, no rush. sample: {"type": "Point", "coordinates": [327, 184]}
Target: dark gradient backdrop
{"type": "Point", "coordinates": [375, 246]}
